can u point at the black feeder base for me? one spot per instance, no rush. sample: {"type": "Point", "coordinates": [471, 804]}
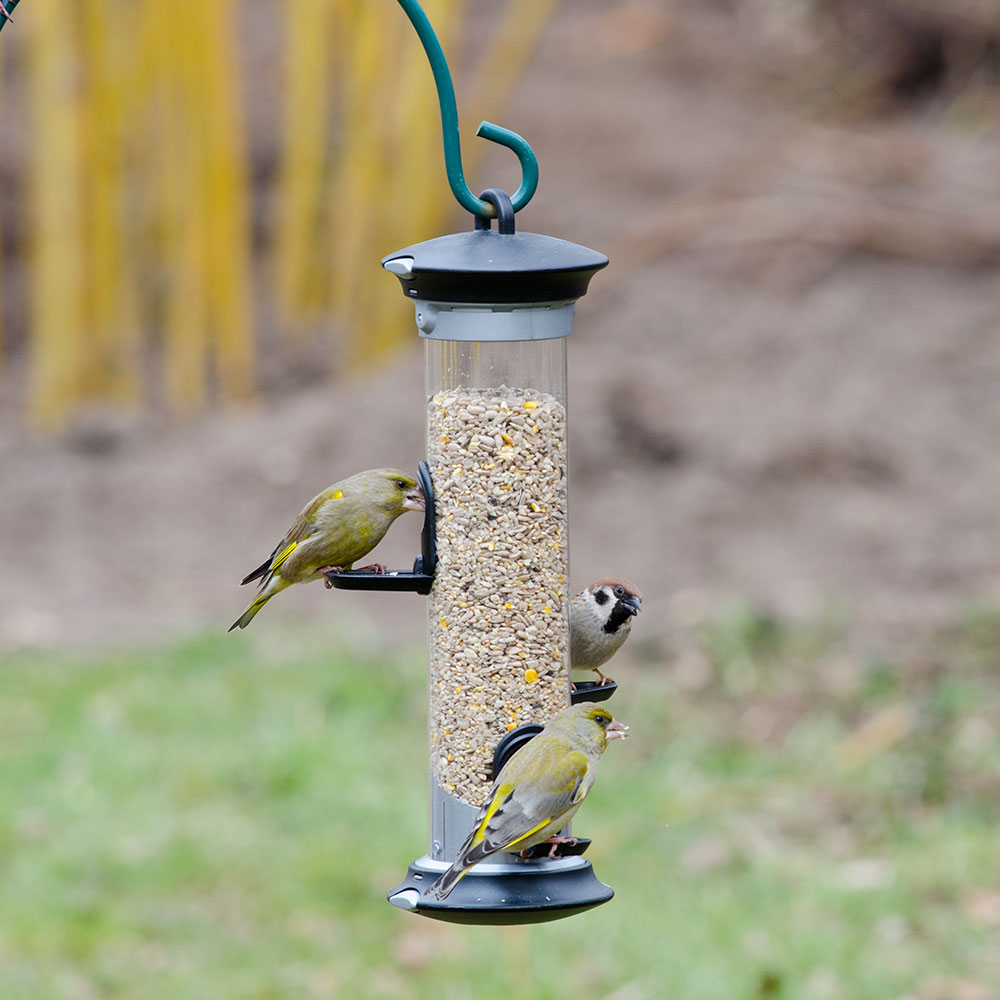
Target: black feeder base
{"type": "Point", "coordinates": [504, 894]}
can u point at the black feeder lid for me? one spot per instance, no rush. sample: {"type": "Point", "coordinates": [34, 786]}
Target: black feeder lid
{"type": "Point", "coordinates": [495, 267]}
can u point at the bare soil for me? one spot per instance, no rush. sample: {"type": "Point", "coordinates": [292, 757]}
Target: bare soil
{"type": "Point", "coordinates": [785, 386]}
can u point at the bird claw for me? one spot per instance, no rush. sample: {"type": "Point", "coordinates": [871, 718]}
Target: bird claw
{"type": "Point", "coordinates": [323, 570]}
{"type": "Point", "coordinates": [4, 13]}
{"type": "Point", "coordinates": [557, 841]}
{"type": "Point", "coordinates": [375, 568]}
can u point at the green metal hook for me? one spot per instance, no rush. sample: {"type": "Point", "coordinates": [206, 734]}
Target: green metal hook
{"type": "Point", "coordinates": [6, 9]}
{"type": "Point", "coordinates": [449, 127]}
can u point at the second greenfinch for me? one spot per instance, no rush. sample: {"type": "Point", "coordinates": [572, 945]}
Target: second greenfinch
{"type": "Point", "coordinates": [538, 790]}
{"type": "Point", "coordinates": [335, 529]}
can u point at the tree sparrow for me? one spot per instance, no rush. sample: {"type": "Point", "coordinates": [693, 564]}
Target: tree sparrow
{"type": "Point", "coordinates": [600, 619]}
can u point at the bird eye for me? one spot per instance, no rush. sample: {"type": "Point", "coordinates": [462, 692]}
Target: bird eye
{"type": "Point", "coordinates": [619, 591]}
{"type": "Point", "coordinates": [401, 484]}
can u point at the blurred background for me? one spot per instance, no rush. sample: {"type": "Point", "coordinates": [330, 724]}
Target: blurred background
{"type": "Point", "coordinates": [784, 426]}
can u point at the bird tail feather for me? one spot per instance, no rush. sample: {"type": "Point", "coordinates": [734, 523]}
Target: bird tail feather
{"type": "Point", "coordinates": [258, 572]}
{"type": "Point", "coordinates": [244, 619]}
{"type": "Point", "coordinates": [443, 886]}
{"type": "Point", "coordinates": [274, 586]}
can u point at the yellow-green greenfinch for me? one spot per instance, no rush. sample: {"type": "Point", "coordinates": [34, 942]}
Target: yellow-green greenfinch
{"type": "Point", "coordinates": [600, 620]}
{"type": "Point", "coordinates": [538, 790]}
{"type": "Point", "coordinates": [335, 529]}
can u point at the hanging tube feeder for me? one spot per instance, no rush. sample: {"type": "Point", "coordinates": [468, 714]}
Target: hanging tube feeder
{"type": "Point", "coordinates": [494, 308]}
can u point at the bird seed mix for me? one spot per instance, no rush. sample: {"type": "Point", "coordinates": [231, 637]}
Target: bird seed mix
{"type": "Point", "coordinates": [499, 604]}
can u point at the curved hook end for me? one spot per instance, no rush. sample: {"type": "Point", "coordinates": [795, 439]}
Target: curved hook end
{"type": "Point", "coordinates": [449, 123]}
{"type": "Point", "coordinates": [525, 155]}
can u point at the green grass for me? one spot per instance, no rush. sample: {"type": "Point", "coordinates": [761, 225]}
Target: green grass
{"type": "Point", "coordinates": [222, 818]}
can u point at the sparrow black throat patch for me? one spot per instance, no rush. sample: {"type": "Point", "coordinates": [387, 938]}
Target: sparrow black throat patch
{"type": "Point", "coordinates": [619, 615]}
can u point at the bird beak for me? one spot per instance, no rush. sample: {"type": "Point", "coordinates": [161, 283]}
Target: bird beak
{"type": "Point", "coordinates": [632, 604]}
{"type": "Point", "coordinates": [616, 730]}
{"type": "Point", "coordinates": [414, 500]}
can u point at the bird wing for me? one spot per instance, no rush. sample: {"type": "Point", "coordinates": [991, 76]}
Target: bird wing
{"type": "Point", "coordinates": [263, 567]}
{"type": "Point", "coordinates": [305, 523]}
{"type": "Point", "coordinates": [302, 528]}
{"type": "Point", "coordinates": [517, 810]}
{"type": "Point", "coordinates": [266, 569]}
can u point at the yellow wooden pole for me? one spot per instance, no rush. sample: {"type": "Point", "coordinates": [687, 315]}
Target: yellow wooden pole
{"type": "Point", "coordinates": [358, 179]}
{"type": "Point", "coordinates": [182, 221]}
{"type": "Point", "coordinates": [418, 159]}
{"type": "Point", "coordinates": [299, 277]}
{"type": "Point", "coordinates": [139, 183]}
{"type": "Point", "coordinates": [56, 276]}
{"type": "Point", "coordinates": [416, 199]}
{"type": "Point", "coordinates": [225, 200]}
{"type": "Point", "coordinates": [111, 363]}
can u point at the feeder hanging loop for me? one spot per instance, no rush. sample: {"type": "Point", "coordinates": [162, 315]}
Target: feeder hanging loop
{"type": "Point", "coordinates": [449, 128]}
{"type": "Point", "coordinates": [503, 207]}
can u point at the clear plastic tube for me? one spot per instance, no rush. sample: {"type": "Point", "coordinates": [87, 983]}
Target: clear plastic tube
{"type": "Point", "coordinates": [498, 610]}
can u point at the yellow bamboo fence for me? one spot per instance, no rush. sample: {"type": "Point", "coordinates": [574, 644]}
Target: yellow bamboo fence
{"type": "Point", "coordinates": [184, 169]}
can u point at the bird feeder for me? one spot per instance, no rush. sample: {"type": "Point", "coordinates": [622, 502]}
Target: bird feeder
{"type": "Point", "coordinates": [494, 308]}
